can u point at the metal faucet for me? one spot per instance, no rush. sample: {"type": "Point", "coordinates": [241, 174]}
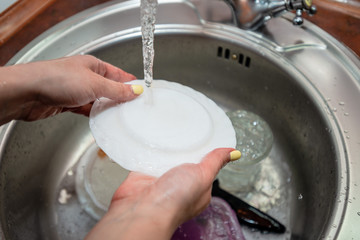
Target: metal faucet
{"type": "Point", "coordinates": [251, 14]}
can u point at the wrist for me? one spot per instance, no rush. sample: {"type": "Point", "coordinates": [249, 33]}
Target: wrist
{"type": "Point", "coordinates": [14, 93]}
{"type": "Point", "coordinates": [152, 216]}
{"type": "Point", "coordinates": [19, 91]}
{"type": "Point", "coordinates": [143, 218]}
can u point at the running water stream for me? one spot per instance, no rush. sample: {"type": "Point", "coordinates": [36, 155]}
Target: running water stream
{"type": "Point", "coordinates": [148, 12]}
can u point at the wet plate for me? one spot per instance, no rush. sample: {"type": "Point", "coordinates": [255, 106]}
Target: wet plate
{"type": "Point", "coordinates": [168, 125]}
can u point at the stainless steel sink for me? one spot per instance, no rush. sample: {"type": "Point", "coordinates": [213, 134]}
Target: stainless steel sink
{"type": "Point", "coordinates": [304, 83]}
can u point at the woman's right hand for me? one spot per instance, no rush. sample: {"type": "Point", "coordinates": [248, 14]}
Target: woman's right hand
{"type": "Point", "coordinates": [41, 89]}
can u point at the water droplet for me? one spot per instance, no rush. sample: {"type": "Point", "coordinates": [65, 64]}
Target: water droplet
{"type": "Point", "coordinates": [328, 99]}
{"type": "Point", "coordinates": [346, 131]}
{"type": "Point", "coordinates": [300, 196]}
{"type": "Point", "coordinates": [341, 103]}
{"type": "Point", "coordinates": [346, 114]}
{"type": "Point", "coordinates": [334, 109]}
{"type": "Point", "coordinates": [348, 137]}
{"type": "Point", "coordinates": [358, 213]}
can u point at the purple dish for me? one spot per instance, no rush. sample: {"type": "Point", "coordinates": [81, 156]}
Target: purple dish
{"type": "Point", "coordinates": [218, 221]}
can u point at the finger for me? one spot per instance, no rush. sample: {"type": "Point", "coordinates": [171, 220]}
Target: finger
{"type": "Point", "coordinates": [117, 74]}
{"type": "Point", "coordinates": [105, 69]}
{"type": "Point", "coordinates": [117, 91]}
{"type": "Point", "coordinates": [132, 185]}
{"type": "Point", "coordinates": [216, 159]}
{"type": "Point", "coordinates": [137, 176]}
{"type": "Point", "coordinates": [82, 110]}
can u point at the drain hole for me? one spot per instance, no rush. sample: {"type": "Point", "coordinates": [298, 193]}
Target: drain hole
{"type": "Point", "coordinates": [247, 62]}
{"type": "Point", "coordinates": [220, 52]}
{"type": "Point", "coordinates": [241, 58]}
{"type": "Point", "coordinates": [227, 53]}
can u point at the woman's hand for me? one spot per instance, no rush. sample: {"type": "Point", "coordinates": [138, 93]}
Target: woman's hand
{"type": "Point", "coordinates": [146, 207]}
{"type": "Point", "coordinates": [40, 89]}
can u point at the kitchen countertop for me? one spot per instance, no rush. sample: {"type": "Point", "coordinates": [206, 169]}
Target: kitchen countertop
{"type": "Point", "coordinates": [340, 20]}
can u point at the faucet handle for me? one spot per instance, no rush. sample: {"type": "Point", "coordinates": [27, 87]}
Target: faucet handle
{"type": "Point", "coordinates": [298, 20]}
{"type": "Point", "coordinates": [301, 6]}
{"type": "Point", "coordinates": [251, 14]}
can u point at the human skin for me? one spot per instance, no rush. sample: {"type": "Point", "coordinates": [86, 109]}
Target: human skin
{"type": "Point", "coordinates": [41, 89]}
{"type": "Point", "coordinates": [148, 208]}
{"type": "Point", "coordinates": [143, 207]}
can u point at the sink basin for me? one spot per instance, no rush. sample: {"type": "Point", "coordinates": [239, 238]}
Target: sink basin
{"type": "Point", "coordinates": [300, 80]}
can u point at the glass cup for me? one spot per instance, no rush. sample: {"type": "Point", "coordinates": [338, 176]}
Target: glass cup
{"type": "Point", "coordinates": [254, 140]}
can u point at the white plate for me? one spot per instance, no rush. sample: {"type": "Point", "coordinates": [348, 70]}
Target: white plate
{"type": "Point", "coordinates": [168, 125]}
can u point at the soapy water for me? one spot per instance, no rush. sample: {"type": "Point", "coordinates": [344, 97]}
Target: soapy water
{"type": "Point", "coordinates": [271, 193]}
{"type": "Point", "coordinates": [148, 12]}
{"type": "Point", "coordinates": [260, 177]}
{"type": "Point", "coordinates": [254, 141]}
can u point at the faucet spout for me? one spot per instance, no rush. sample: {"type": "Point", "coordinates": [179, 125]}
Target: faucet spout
{"type": "Point", "coordinates": [251, 14]}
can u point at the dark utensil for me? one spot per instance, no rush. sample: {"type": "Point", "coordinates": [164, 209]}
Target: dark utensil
{"type": "Point", "coordinates": [247, 214]}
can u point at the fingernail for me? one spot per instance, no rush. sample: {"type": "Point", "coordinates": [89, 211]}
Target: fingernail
{"type": "Point", "coordinates": [235, 155]}
{"type": "Point", "coordinates": [137, 89]}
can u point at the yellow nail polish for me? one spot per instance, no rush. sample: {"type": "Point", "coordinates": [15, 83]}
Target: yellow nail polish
{"type": "Point", "coordinates": [137, 89]}
{"type": "Point", "coordinates": [235, 155]}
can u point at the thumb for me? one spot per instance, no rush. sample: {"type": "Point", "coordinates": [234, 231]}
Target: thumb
{"type": "Point", "coordinates": [117, 91]}
{"type": "Point", "coordinates": [216, 159]}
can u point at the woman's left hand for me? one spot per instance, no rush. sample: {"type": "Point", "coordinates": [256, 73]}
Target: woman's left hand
{"type": "Point", "coordinates": [146, 207]}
